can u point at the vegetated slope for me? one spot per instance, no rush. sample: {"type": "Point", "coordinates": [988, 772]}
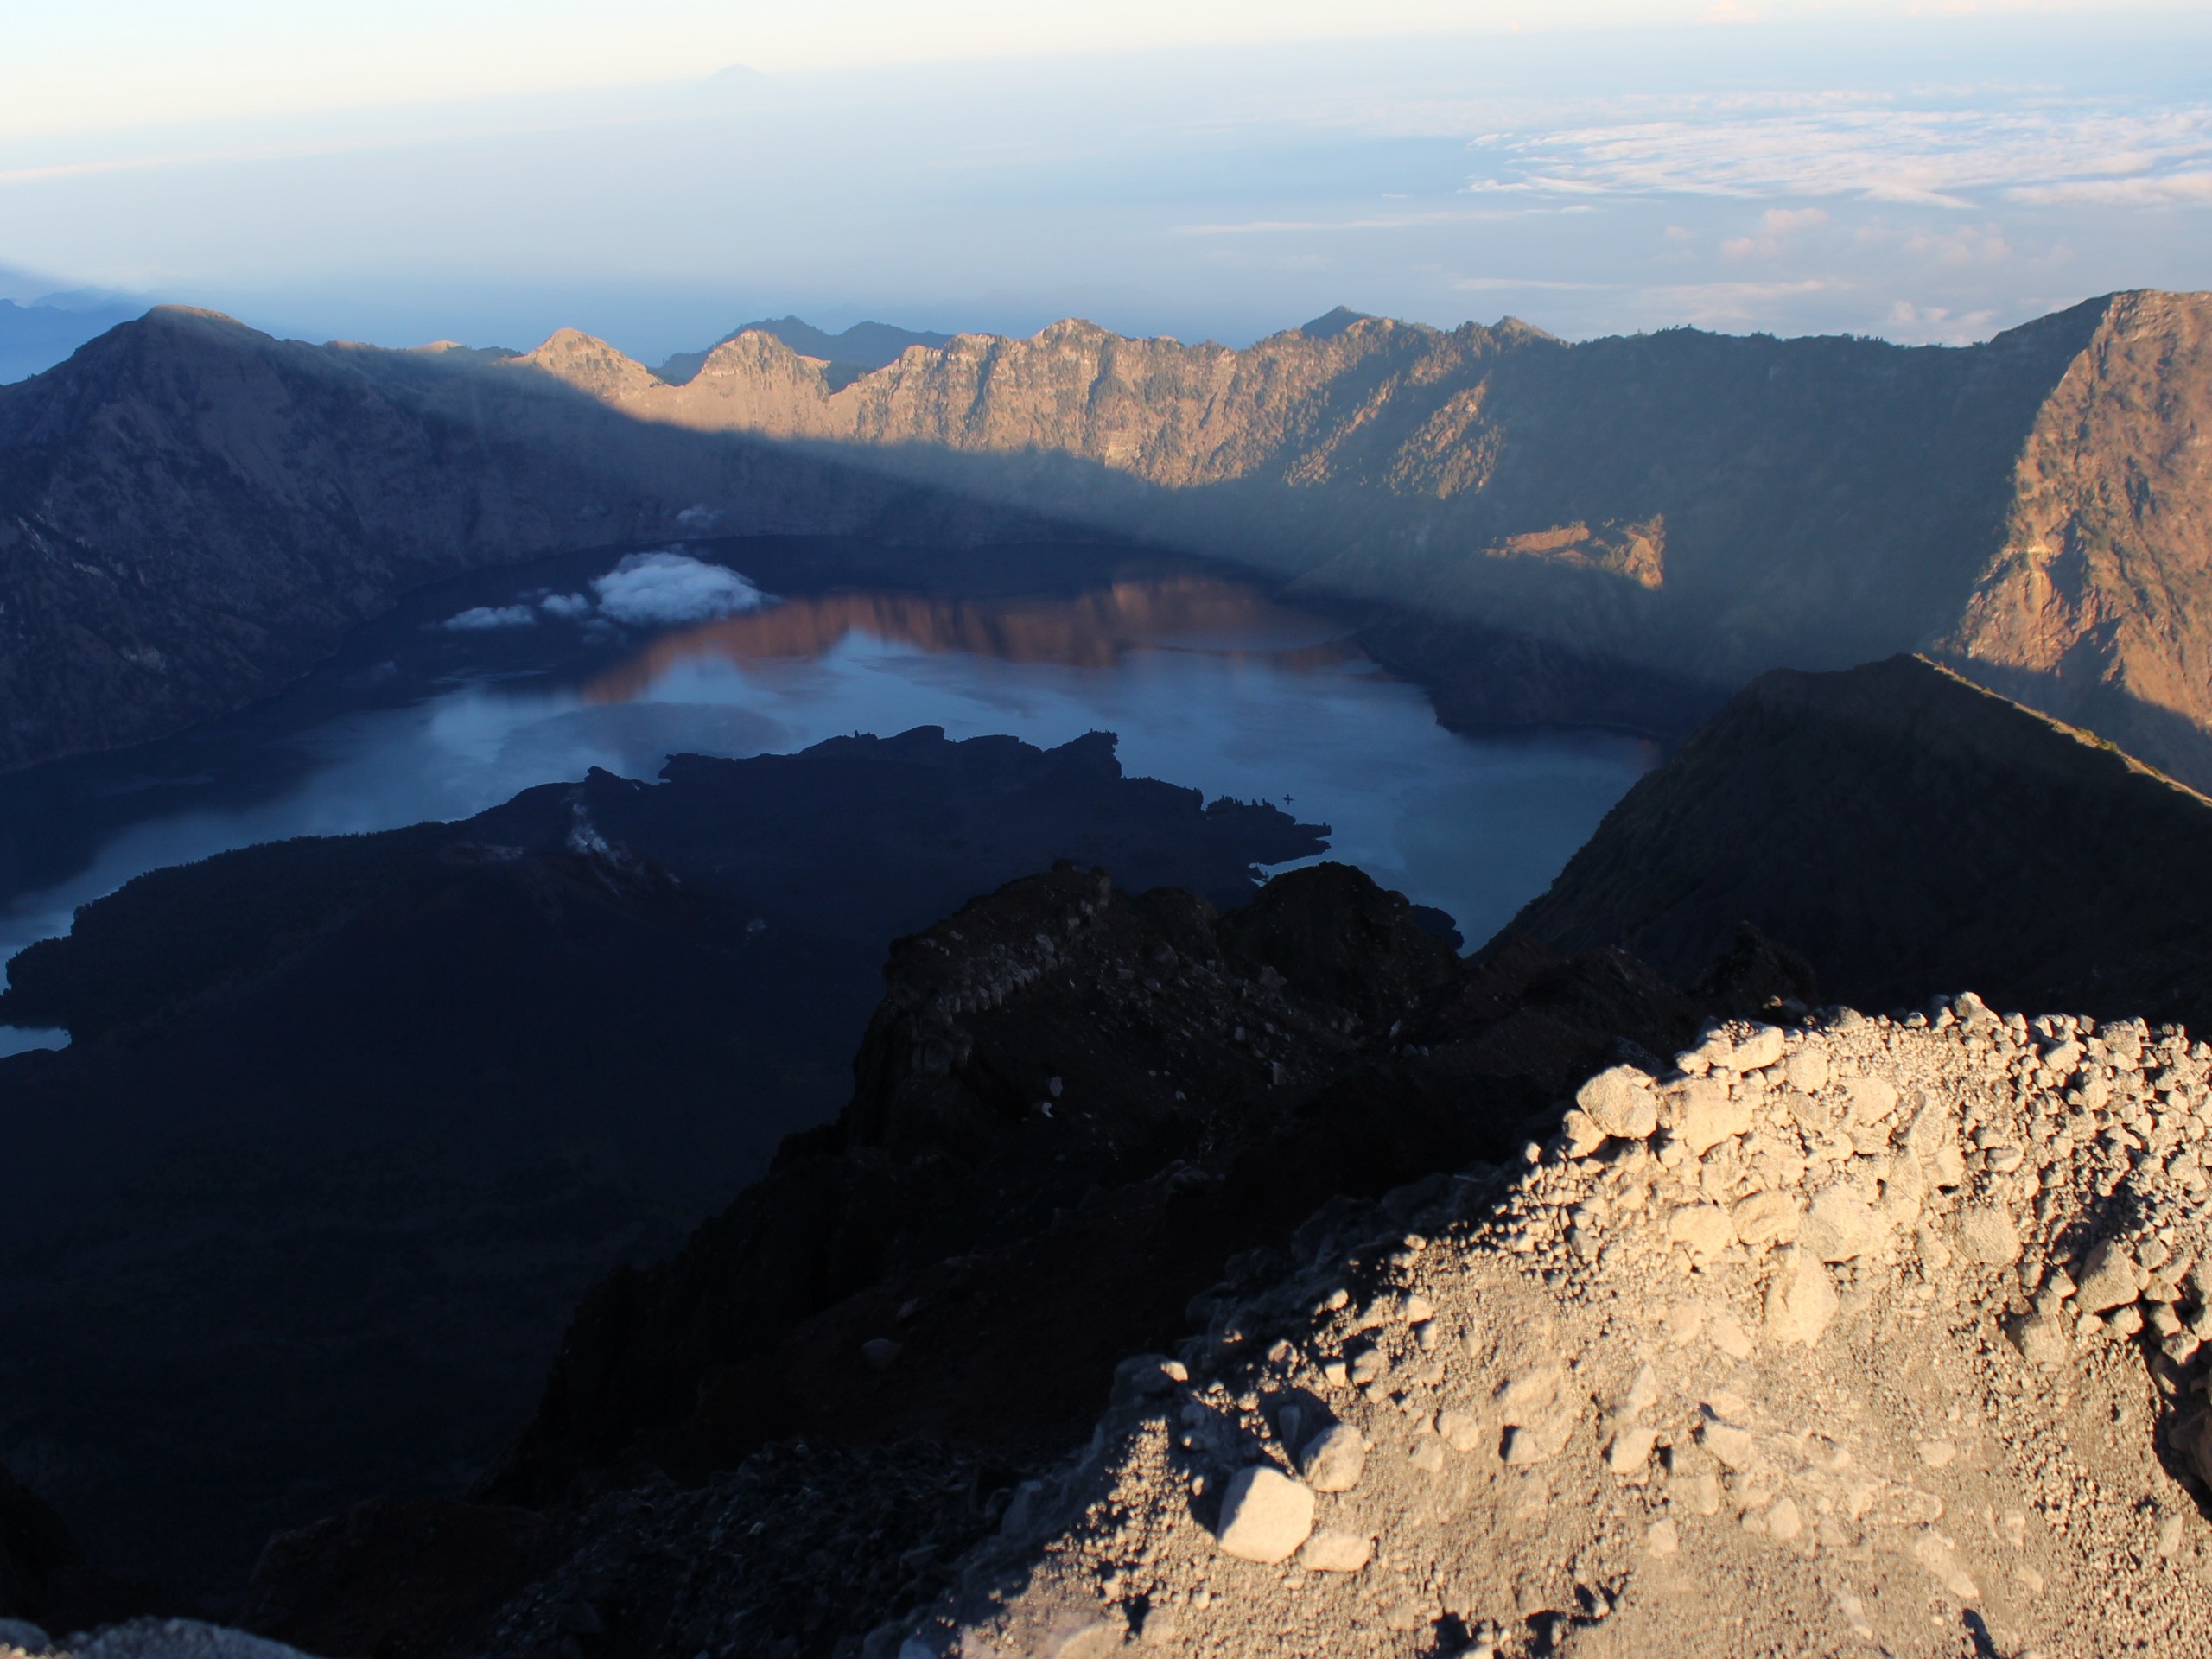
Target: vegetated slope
{"type": "Point", "coordinates": [1858, 1336]}
{"type": "Point", "coordinates": [1901, 828]}
{"type": "Point", "coordinates": [352, 1123]}
{"type": "Point", "coordinates": [191, 513]}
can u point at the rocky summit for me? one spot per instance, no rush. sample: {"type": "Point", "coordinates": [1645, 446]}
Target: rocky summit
{"type": "Point", "coordinates": [1873, 1335]}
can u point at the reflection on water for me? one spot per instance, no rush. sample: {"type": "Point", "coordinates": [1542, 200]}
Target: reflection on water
{"type": "Point", "coordinates": [1208, 684]}
{"type": "Point", "coordinates": [1094, 630]}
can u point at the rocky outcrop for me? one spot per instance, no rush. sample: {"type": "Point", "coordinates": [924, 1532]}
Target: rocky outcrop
{"type": "Point", "coordinates": [2096, 607]}
{"type": "Point", "coordinates": [1054, 1044]}
{"type": "Point", "coordinates": [1864, 1332]}
{"type": "Point", "coordinates": [1899, 828]}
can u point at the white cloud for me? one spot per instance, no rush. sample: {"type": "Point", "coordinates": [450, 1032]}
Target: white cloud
{"type": "Point", "coordinates": [660, 589]}
{"type": "Point", "coordinates": [572, 606]}
{"type": "Point", "coordinates": [483, 619]}
{"type": "Point", "coordinates": [1876, 147]}
{"type": "Point", "coordinates": [2176, 188]}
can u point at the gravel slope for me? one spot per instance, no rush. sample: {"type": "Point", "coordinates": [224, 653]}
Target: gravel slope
{"type": "Point", "coordinates": [1872, 1336]}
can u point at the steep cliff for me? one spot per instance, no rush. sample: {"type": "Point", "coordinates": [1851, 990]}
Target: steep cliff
{"type": "Point", "coordinates": [2098, 606]}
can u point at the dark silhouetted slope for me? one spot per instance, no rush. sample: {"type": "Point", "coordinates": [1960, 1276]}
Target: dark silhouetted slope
{"type": "Point", "coordinates": [1908, 833]}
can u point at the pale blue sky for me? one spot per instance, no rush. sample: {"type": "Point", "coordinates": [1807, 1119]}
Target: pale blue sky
{"type": "Point", "coordinates": [486, 169]}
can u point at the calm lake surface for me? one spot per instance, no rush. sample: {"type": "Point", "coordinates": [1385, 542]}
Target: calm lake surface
{"type": "Point", "coordinates": [482, 688]}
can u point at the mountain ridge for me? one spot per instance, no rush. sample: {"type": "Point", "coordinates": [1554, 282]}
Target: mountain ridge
{"type": "Point", "coordinates": [1805, 503]}
{"type": "Point", "coordinates": [2036, 511]}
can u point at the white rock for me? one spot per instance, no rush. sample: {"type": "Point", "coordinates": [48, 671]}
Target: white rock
{"type": "Point", "coordinates": [2045, 1338]}
{"type": "Point", "coordinates": [1988, 1236]}
{"type": "Point", "coordinates": [1585, 1134]}
{"type": "Point", "coordinates": [1801, 1301]}
{"type": "Point", "coordinates": [1839, 1226]}
{"type": "Point", "coordinates": [1808, 1068]}
{"type": "Point", "coordinates": [1725, 1331]}
{"type": "Point", "coordinates": [1703, 1228]}
{"type": "Point", "coordinates": [1539, 1415]}
{"type": "Point", "coordinates": [1872, 1099]}
{"type": "Point", "coordinates": [1265, 1515]}
{"type": "Point", "coordinates": [1941, 1557]}
{"type": "Point", "coordinates": [1708, 1115]}
{"type": "Point", "coordinates": [1334, 1459]}
{"type": "Point", "coordinates": [1765, 1218]}
{"type": "Point", "coordinates": [1620, 1100]}
{"type": "Point", "coordinates": [1761, 1048]}
{"type": "Point", "coordinates": [1784, 1520]}
{"type": "Point", "coordinates": [1631, 1449]}
{"type": "Point", "coordinates": [1736, 1446]}
{"type": "Point", "coordinates": [1336, 1552]}
{"type": "Point", "coordinates": [1461, 1431]}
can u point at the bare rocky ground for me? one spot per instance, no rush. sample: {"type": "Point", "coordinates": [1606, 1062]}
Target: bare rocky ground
{"type": "Point", "coordinates": [1870, 1335]}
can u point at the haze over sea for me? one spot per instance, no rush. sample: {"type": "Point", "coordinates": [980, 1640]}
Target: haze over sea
{"type": "Point", "coordinates": [488, 172]}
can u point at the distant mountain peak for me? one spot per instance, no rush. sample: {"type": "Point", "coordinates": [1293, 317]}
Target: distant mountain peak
{"type": "Point", "coordinates": [853, 351]}
{"type": "Point", "coordinates": [1330, 324]}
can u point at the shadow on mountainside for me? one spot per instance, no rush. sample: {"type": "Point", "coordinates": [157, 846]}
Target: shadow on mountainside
{"type": "Point", "coordinates": [1906, 832]}
{"type": "Point", "coordinates": [2161, 738]}
{"type": "Point", "coordinates": [1080, 1117]}
{"type": "Point", "coordinates": [352, 1122]}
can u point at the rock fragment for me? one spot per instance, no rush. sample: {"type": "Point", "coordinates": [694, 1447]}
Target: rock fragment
{"type": "Point", "coordinates": [1758, 1048]}
{"type": "Point", "coordinates": [1710, 1113]}
{"type": "Point", "coordinates": [1839, 1226]}
{"type": "Point", "coordinates": [1765, 1218]}
{"type": "Point", "coordinates": [2110, 1278]}
{"type": "Point", "coordinates": [1704, 1230]}
{"type": "Point", "coordinates": [1801, 1301]}
{"type": "Point", "coordinates": [1619, 1100]}
{"type": "Point", "coordinates": [1988, 1236]}
{"type": "Point", "coordinates": [1336, 1552]}
{"type": "Point", "coordinates": [1334, 1459]}
{"type": "Point", "coordinates": [1265, 1515]}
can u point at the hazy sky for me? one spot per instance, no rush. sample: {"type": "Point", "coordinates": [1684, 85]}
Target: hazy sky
{"type": "Point", "coordinates": [488, 169]}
